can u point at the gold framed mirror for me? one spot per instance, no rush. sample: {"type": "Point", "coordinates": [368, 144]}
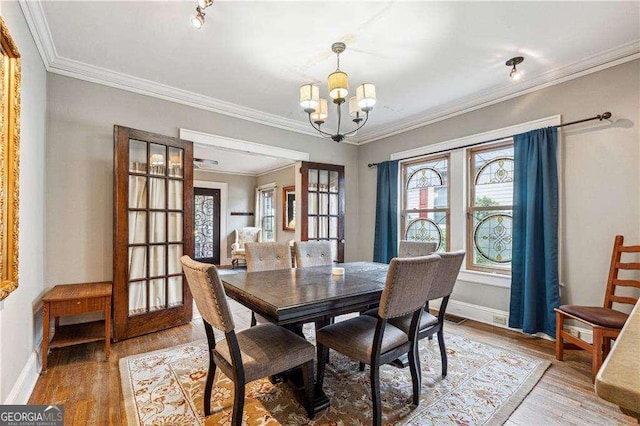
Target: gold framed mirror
{"type": "Point", "coordinates": [289, 208]}
{"type": "Point", "coordinates": [9, 161]}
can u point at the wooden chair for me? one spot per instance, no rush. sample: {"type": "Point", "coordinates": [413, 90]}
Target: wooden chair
{"type": "Point", "coordinates": [312, 253]}
{"type": "Point", "coordinates": [446, 276]}
{"type": "Point", "coordinates": [605, 321]}
{"type": "Point", "coordinates": [376, 342]}
{"type": "Point", "coordinates": [267, 256]}
{"type": "Point", "coordinates": [250, 354]}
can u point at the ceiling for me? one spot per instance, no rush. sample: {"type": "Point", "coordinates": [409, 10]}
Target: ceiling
{"type": "Point", "coordinates": [236, 162]}
{"type": "Point", "coordinates": [428, 60]}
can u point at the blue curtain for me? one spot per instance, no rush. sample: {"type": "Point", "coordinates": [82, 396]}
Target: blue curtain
{"type": "Point", "coordinates": [385, 246]}
{"type": "Point", "coordinates": [534, 267]}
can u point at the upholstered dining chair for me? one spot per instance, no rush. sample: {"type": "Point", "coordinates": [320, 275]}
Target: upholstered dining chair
{"type": "Point", "coordinates": [442, 287]}
{"type": "Point", "coordinates": [243, 235]}
{"type": "Point", "coordinates": [605, 321]}
{"type": "Point", "coordinates": [247, 355]}
{"type": "Point", "coordinates": [266, 256]}
{"type": "Point", "coordinates": [376, 342]}
{"type": "Point", "coordinates": [416, 248]}
{"type": "Point", "coordinates": [313, 253]}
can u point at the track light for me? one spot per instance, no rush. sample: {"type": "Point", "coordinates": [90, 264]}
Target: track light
{"type": "Point", "coordinates": [198, 19]}
{"type": "Point", "coordinates": [515, 74]}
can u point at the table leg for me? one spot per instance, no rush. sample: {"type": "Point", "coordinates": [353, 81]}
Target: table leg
{"type": "Point", "coordinates": [45, 337]}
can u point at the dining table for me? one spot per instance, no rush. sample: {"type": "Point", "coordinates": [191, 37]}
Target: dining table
{"type": "Point", "coordinates": [296, 296]}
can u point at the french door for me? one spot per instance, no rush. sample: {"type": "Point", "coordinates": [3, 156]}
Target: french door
{"type": "Point", "coordinates": [322, 205]}
{"type": "Point", "coordinates": [153, 214]}
{"type": "Point", "coordinates": [206, 221]}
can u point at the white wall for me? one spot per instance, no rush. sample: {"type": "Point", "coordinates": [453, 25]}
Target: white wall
{"type": "Point", "coordinates": [79, 180]}
{"type": "Point", "coordinates": [20, 327]}
{"type": "Point", "coordinates": [600, 168]}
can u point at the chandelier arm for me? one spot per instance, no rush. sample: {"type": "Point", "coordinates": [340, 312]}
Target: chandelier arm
{"type": "Point", "coordinates": [323, 133]}
{"type": "Point", "coordinates": [359, 127]}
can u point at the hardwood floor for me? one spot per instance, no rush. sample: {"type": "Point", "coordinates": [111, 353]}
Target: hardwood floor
{"type": "Point", "coordinates": [90, 390]}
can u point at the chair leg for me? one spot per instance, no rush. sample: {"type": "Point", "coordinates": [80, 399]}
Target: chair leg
{"type": "Point", "coordinates": [238, 404]}
{"type": "Point", "coordinates": [374, 374]}
{"type": "Point", "coordinates": [307, 378]}
{"type": "Point", "coordinates": [253, 319]}
{"type": "Point", "coordinates": [597, 352]}
{"type": "Point", "coordinates": [443, 352]}
{"type": "Point", "coordinates": [416, 374]}
{"type": "Point", "coordinates": [234, 263]}
{"type": "Point", "coordinates": [559, 340]}
{"type": "Point", "coordinates": [208, 387]}
{"type": "Point", "coordinates": [606, 347]}
{"type": "Point", "coordinates": [361, 366]}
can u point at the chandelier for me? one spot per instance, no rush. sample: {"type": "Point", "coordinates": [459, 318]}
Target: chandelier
{"type": "Point", "coordinates": [338, 83]}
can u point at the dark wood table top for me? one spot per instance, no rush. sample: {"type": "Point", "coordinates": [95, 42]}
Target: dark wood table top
{"type": "Point", "coordinates": [289, 296]}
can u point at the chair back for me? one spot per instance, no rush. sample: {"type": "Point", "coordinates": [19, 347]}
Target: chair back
{"type": "Point", "coordinates": [617, 265]}
{"type": "Point", "coordinates": [267, 256]}
{"type": "Point", "coordinates": [313, 253]}
{"type": "Point", "coordinates": [408, 283]}
{"type": "Point", "coordinates": [208, 293]}
{"type": "Point", "coordinates": [416, 248]}
{"type": "Point", "coordinates": [248, 235]}
{"type": "Point", "coordinates": [447, 274]}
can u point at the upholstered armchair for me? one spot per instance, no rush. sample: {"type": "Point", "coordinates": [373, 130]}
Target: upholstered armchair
{"type": "Point", "coordinates": [244, 235]}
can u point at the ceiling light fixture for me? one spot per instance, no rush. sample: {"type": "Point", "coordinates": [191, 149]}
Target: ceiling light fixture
{"type": "Point", "coordinates": [515, 74]}
{"type": "Point", "coordinates": [338, 84]}
{"type": "Point", "coordinates": [198, 20]}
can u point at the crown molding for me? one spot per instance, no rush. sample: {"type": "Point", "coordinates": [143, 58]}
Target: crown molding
{"type": "Point", "coordinates": [603, 60]}
{"type": "Point", "coordinates": [37, 23]}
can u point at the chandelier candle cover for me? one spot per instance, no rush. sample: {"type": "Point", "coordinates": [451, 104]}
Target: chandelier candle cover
{"type": "Point", "coordinates": [338, 86]}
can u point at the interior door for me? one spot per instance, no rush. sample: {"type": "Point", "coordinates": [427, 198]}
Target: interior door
{"type": "Point", "coordinates": [322, 205]}
{"type": "Point", "coordinates": [153, 214]}
{"type": "Point", "coordinates": [206, 221]}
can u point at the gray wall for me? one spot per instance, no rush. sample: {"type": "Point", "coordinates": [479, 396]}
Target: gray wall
{"type": "Point", "coordinates": [79, 176]}
{"type": "Point", "coordinates": [20, 322]}
{"type": "Point", "coordinates": [283, 177]}
{"type": "Point", "coordinates": [241, 197]}
{"type": "Point", "coordinates": [600, 168]}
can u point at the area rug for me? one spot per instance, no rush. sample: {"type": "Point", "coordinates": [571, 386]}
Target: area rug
{"type": "Point", "coordinates": [484, 385]}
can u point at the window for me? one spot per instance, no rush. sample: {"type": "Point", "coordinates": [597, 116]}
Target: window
{"type": "Point", "coordinates": [490, 201]}
{"type": "Point", "coordinates": [425, 213]}
{"type": "Point", "coordinates": [267, 211]}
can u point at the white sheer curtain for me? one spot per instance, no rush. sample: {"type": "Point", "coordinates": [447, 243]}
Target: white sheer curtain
{"type": "Point", "coordinates": [137, 255]}
{"type": "Point", "coordinates": [157, 234]}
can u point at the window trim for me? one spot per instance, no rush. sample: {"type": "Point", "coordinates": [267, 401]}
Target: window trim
{"type": "Point", "coordinates": [404, 210]}
{"type": "Point", "coordinates": [470, 208]}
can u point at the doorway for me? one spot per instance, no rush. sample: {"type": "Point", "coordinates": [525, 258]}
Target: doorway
{"type": "Point", "coordinates": [206, 224]}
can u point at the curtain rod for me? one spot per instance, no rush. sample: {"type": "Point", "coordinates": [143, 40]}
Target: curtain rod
{"type": "Point", "coordinates": [603, 116]}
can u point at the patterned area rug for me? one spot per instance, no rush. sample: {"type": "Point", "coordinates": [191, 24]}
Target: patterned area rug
{"type": "Point", "coordinates": [484, 385]}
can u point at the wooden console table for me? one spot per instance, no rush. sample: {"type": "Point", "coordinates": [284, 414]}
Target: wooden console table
{"type": "Point", "coordinates": [74, 299]}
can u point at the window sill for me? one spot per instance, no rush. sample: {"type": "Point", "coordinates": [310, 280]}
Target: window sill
{"type": "Point", "coordinates": [485, 278]}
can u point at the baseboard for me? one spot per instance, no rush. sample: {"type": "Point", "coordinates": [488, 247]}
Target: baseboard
{"type": "Point", "coordinates": [27, 379]}
{"type": "Point", "coordinates": [475, 312]}
{"type": "Point", "coordinates": [500, 318]}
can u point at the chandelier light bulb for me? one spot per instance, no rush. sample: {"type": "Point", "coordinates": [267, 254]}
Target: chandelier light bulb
{"type": "Point", "coordinates": [515, 74]}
